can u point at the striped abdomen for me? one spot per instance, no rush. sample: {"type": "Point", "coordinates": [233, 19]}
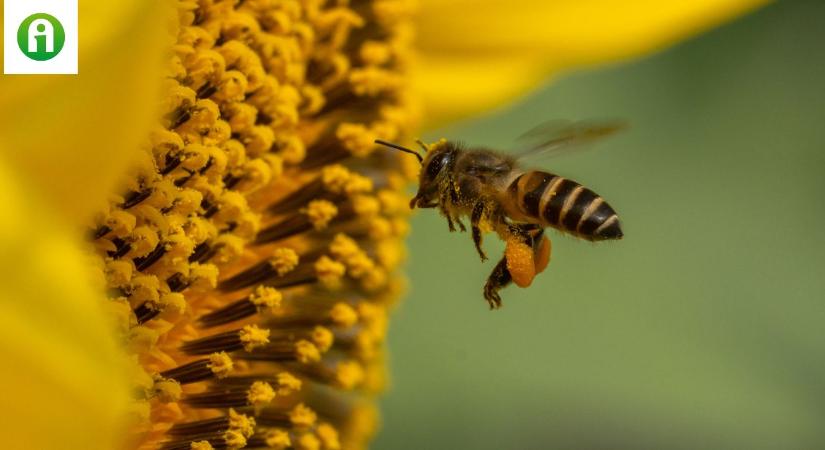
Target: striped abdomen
{"type": "Point", "coordinates": [554, 201]}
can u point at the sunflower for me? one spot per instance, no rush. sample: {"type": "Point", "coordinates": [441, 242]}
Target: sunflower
{"type": "Point", "coordinates": [215, 269]}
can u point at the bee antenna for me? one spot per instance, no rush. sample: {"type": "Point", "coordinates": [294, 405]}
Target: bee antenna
{"type": "Point", "coordinates": [398, 147]}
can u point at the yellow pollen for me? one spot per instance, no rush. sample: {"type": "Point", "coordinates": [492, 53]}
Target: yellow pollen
{"type": "Point", "coordinates": [266, 297]}
{"type": "Point", "coordinates": [314, 99]}
{"type": "Point", "coordinates": [320, 212]}
{"type": "Point", "coordinates": [374, 52]}
{"type": "Point", "coordinates": [308, 442]}
{"type": "Point", "coordinates": [168, 390]}
{"type": "Point", "coordinates": [288, 383]}
{"type": "Point", "coordinates": [203, 276]}
{"type": "Point", "coordinates": [258, 174]}
{"type": "Point", "coordinates": [260, 394]}
{"type": "Point", "coordinates": [121, 222]}
{"type": "Point", "coordinates": [328, 436]}
{"type": "Point", "coordinates": [283, 260]}
{"type": "Point", "coordinates": [247, 225]}
{"type": "Point", "coordinates": [143, 339]}
{"type": "Point", "coordinates": [275, 163]}
{"type": "Point", "coordinates": [293, 150]}
{"type": "Point", "coordinates": [278, 439]}
{"type": "Point", "coordinates": [220, 364]}
{"type": "Point", "coordinates": [343, 315]}
{"type": "Point", "coordinates": [400, 227]}
{"type": "Point", "coordinates": [393, 202]}
{"type": "Point", "coordinates": [343, 247]}
{"type": "Point", "coordinates": [188, 201]}
{"type": "Point", "coordinates": [178, 246]}
{"type": "Point", "coordinates": [366, 345]}
{"type": "Point", "coordinates": [199, 230]}
{"type": "Point", "coordinates": [329, 272]}
{"type": "Point", "coordinates": [118, 273]}
{"type": "Point", "coordinates": [234, 439]}
{"type": "Point", "coordinates": [144, 240]}
{"type": "Point", "coordinates": [302, 417]}
{"type": "Point", "coordinates": [365, 205]}
{"type": "Point", "coordinates": [335, 178]}
{"type": "Point", "coordinates": [201, 445]}
{"type": "Point", "coordinates": [359, 265]}
{"type": "Point", "coordinates": [375, 280]}
{"type": "Point", "coordinates": [357, 138]}
{"type": "Point", "coordinates": [391, 12]}
{"type": "Point", "coordinates": [374, 319]}
{"type": "Point", "coordinates": [145, 289]}
{"type": "Point", "coordinates": [232, 205]}
{"type": "Point", "coordinates": [229, 246]}
{"type": "Point", "coordinates": [253, 337]}
{"type": "Point", "coordinates": [172, 303]}
{"type": "Point", "coordinates": [241, 423]}
{"type": "Point", "coordinates": [306, 352]}
{"type": "Point", "coordinates": [349, 374]}
{"type": "Point", "coordinates": [357, 184]}
{"type": "Point", "coordinates": [435, 145]}
{"type": "Point", "coordinates": [380, 228]}
{"type": "Point", "coordinates": [389, 254]}
{"type": "Point", "coordinates": [372, 81]}
{"type": "Point", "coordinates": [322, 337]}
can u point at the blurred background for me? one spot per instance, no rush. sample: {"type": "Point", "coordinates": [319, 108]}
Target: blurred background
{"type": "Point", "coordinates": [703, 328]}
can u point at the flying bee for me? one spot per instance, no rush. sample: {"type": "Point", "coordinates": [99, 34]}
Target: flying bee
{"type": "Point", "coordinates": [498, 195]}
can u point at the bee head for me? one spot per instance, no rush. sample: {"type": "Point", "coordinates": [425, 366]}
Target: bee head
{"type": "Point", "coordinates": [434, 170]}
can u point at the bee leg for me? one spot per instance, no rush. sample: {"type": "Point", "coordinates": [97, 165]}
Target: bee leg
{"type": "Point", "coordinates": [454, 199]}
{"type": "Point", "coordinates": [499, 278]}
{"type": "Point", "coordinates": [536, 239]}
{"type": "Point", "coordinates": [526, 232]}
{"type": "Point", "coordinates": [450, 222]}
{"type": "Point", "coordinates": [442, 206]}
{"type": "Point", "coordinates": [478, 212]}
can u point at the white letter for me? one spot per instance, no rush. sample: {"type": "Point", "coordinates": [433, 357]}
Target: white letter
{"type": "Point", "coordinates": [48, 31]}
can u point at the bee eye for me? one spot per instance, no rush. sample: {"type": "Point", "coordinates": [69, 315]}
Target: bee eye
{"type": "Point", "coordinates": [436, 164]}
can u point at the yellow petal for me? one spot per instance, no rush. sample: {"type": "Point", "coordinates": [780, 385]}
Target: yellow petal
{"type": "Point", "coordinates": [70, 136]}
{"type": "Point", "coordinates": [64, 382]}
{"type": "Point", "coordinates": [478, 54]}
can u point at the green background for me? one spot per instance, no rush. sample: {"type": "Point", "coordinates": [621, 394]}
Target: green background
{"type": "Point", "coordinates": [703, 328]}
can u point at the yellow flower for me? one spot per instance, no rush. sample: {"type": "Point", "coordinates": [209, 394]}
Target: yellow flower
{"type": "Point", "coordinates": [479, 54]}
{"type": "Point", "coordinates": [250, 255]}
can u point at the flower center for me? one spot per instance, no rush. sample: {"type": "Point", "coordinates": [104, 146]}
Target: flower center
{"type": "Point", "coordinates": [252, 261]}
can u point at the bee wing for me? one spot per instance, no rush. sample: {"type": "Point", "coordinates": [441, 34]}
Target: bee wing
{"type": "Point", "coordinates": [556, 137]}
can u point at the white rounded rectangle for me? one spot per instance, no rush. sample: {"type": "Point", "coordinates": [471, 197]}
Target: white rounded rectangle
{"type": "Point", "coordinates": [40, 37]}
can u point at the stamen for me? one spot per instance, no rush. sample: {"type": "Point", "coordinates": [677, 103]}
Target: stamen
{"type": "Point", "coordinates": [300, 416]}
{"type": "Point", "coordinates": [302, 351]}
{"type": "Point", "coordinates": [218, 365]}
{"type": "Point", "coordinates": [284, 260]}
{"type": "Point", "coordinates": [264, 298]}
{"type": "Point", "coordinates": [346, 374]}
{"type": "Point", "coordinates": [247, 338]}
{"type": "Point", "coordinates": [257, 394]}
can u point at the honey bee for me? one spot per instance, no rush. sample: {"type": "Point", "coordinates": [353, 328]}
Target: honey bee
{"type": "Point", "coordinates": [497, 195]}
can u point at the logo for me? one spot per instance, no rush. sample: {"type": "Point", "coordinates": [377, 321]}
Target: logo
{"type": "Point", "coordinates": [41, 37]}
